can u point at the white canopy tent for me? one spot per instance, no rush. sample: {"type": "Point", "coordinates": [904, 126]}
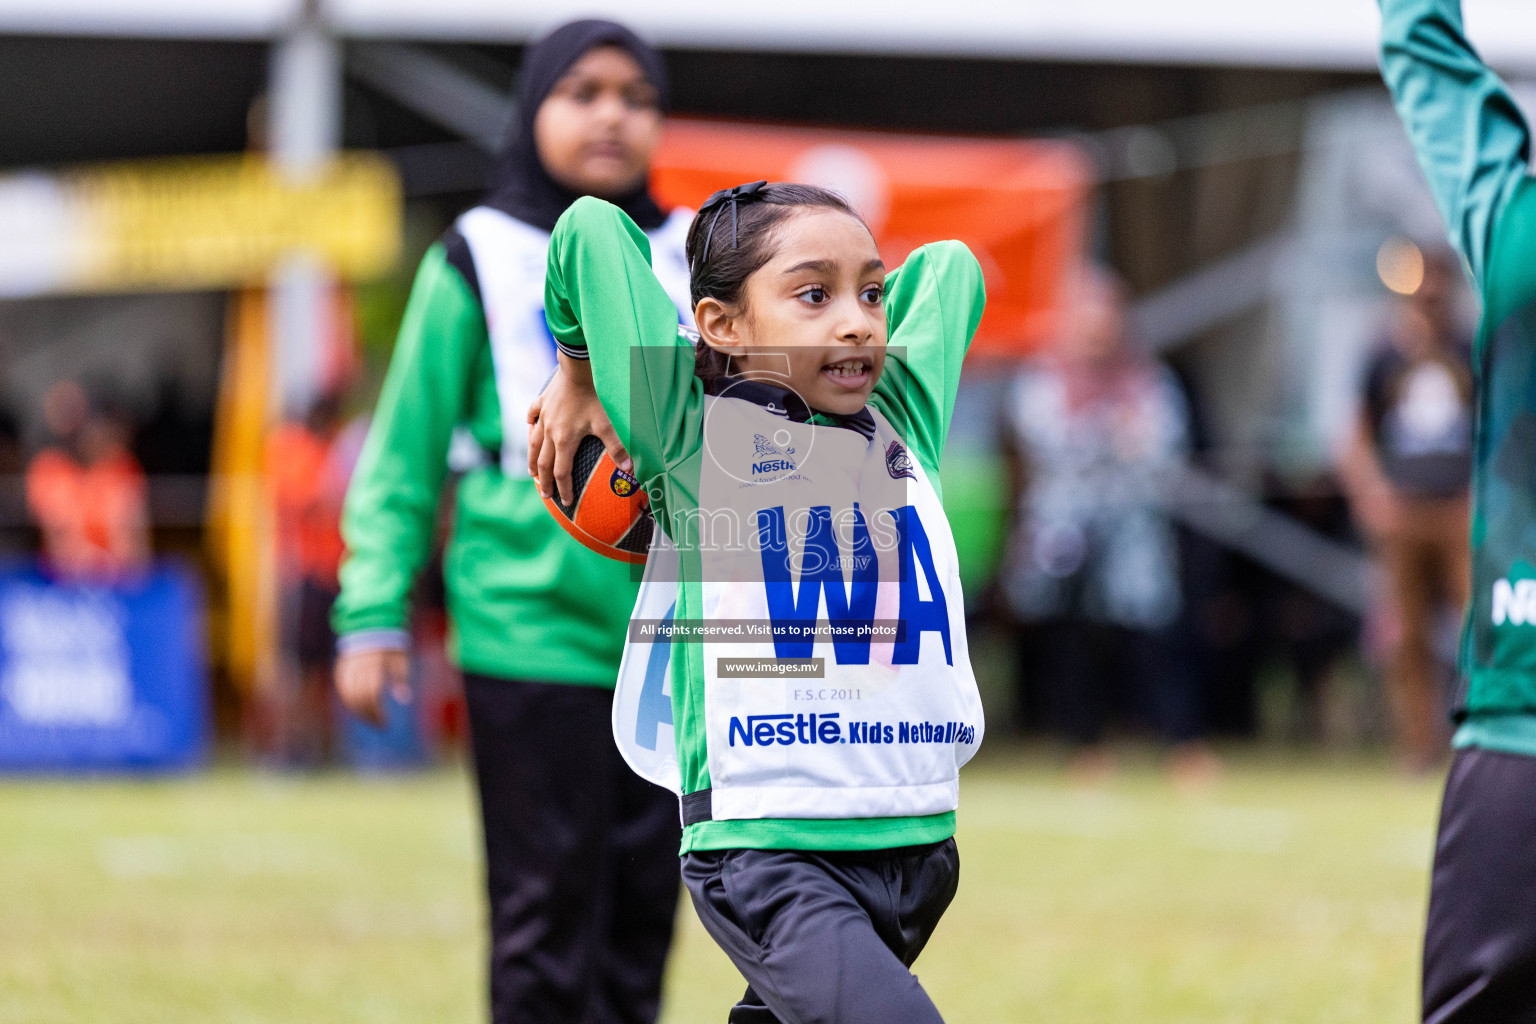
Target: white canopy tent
{"type": "Point", "coordinates": [1296, 33]}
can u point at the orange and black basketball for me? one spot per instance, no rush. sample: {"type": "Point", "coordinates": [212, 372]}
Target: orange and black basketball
{"type": "Point", "coordinates": [609, 511]}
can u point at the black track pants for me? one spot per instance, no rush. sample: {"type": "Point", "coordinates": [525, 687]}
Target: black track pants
{"type": "Point", "coordinates": [581, 858]}
{"type": "Point", "coordinates": [825, 937]}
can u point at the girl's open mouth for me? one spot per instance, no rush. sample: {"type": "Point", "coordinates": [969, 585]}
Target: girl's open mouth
{"type": "Point", "coordinates": [852, 373]}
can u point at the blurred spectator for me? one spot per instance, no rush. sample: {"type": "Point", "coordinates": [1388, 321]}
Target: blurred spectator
{"type": "Point", "coordinates": [580, 853]}
{"type": "Point", "coordinates": [1406, 472]}
{"type": "Point", "coordinates": [1247, 618]}
{"type": "Point", "coordinates": [87, 492]}
{"type": "Point", "coordinates": [307, 470]}
{"type": "Point", "coordinates": [1093, 570]}
{"type": "Point", "coordinates": [177, 436]}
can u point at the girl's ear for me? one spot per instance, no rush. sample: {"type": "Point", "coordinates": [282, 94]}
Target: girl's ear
{"type": "Point", "coordinates": [719, 326]}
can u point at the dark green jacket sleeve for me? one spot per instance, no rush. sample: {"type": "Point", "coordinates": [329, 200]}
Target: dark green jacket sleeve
{"type": "Point", "coordinates": [391, 508]}
{"type": "Point", "coordinates": [1468, 133]}
{"type": "Point", "coordinates": [600, 295]}
{"type": "Point", "coordinates": [933, 303]}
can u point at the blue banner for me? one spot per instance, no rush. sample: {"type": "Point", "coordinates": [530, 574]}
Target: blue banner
{"type": "Point", "coordinates": [102, 678]}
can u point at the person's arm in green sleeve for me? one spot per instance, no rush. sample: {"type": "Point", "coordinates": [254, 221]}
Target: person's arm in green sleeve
{"type": "Point", "coordinates": [933, 303]}
{"type": "Point", "coordinates": [390, 514]}
{"type": "Point", "coordinates": [1470, 137]}
{"type": "Point", "coordinates": [604, 303]}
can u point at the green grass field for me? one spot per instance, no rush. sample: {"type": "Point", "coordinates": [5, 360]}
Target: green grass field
{"type": "Point", "coordinates": [1292, 891]}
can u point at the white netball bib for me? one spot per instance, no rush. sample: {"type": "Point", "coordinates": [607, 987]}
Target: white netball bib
{"type": "Point", "coordinates": [849, 693]}
{"type": "Point", "coordinates": [510, 260]}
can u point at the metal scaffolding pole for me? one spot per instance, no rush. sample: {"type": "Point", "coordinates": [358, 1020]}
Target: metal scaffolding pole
{"type": "Point", "coordinates": [304, 105]}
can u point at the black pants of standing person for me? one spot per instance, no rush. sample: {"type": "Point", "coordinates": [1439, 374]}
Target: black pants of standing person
{"type": "Point", "coordinates": [581, 858]}
{"type": "Point", "coordinates": [1085, 671]}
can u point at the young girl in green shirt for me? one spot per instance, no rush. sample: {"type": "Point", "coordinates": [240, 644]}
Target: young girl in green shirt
{"type": "Point", "coordinates": [790, 449]}
{"type": "Point", "coordinates": [580, 872]}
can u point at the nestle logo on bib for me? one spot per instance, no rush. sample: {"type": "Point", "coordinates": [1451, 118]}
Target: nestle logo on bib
{"type": "Point", "coordinates": [788, 730]}
{"type": "Point", "coordinates": [1514, 602]}
{"type": "Point", "coordinates": [897, 462]}
{"type": "Point", "coordinates": [769, 457]}
{"type": "Point", "coordinates": [766, 730]}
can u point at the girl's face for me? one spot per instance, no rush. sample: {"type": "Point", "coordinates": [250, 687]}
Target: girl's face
{"type": "Point", "coordinates": [598, 126]}
{"type": "Point", "coordinates": [1097, 333]}
{"type": "Point", "coordinates": [813, 317]}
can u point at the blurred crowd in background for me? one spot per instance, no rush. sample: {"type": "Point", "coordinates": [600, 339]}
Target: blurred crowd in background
{"type": "Point", "coordinates": [1221, 493]}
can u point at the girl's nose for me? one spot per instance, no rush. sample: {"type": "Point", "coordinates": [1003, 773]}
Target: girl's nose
{"type": "Point", "coordinates": [855, 328]}
{"type": "Point", "coordinates": [610, 108]}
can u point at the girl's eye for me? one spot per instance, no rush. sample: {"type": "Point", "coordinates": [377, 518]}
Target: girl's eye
{"type": "Point", "coordinates": [873, 294]}
{"type": "Point", "coordinates": [815, 296]}
{"type": "Point", "coordinates": [640, 98]}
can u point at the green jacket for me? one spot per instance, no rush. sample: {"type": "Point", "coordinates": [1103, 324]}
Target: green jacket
{"type": "Point", "coordinates": [1474, 147]}
{"type": "Point", "coordinates": [525, 600]}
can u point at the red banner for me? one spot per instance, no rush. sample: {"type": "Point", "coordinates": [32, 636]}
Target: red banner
{"type": "Point", "coordinates": [1020, 206]}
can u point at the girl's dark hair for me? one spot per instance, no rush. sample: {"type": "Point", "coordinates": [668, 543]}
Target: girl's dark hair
{"type": "Point", "coordinates": [732, 238]}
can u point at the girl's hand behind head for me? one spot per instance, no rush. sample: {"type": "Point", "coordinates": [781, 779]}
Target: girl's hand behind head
{"type": "Point", "coordinates": [597, 128]}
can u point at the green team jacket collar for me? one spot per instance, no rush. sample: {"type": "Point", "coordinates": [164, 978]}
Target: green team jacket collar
{"type": "Point", "coordinates": [784, 402]}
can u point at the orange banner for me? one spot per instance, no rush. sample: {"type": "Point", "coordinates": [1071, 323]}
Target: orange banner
{"type": "Point", "coordinates": [1020, 206]}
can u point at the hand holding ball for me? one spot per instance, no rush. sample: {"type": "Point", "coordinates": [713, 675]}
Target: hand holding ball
{"type": "Point", "coordinates": [609, 512]}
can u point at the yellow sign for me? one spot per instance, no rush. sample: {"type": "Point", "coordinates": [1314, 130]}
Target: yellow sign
{"type": "Point", "coordinates": [193, 222]}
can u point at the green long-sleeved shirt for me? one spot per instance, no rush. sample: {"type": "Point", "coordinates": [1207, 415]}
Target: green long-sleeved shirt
{"type": "Point", "coordinates": [1474, 147]}
{"type": "Point", "coordinates": [720, 466]}
{"type": "Point", "coordinates": [525, 600]}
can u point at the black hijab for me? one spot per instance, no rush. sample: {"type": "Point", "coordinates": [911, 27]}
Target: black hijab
{"type": "Point", "coordinates": [519, 185]}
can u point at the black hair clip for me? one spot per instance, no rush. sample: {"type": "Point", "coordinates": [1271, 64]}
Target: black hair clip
{"type": "Point", "coordinates": [718, 201]}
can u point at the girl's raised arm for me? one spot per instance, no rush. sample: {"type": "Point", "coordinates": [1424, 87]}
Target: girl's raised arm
{"type": "Point", "coordinates": [933, 303]}
{"type": "Point", "coordinates": [603, 303]}
{"type": "Point", "coordinates": [1470, 136]}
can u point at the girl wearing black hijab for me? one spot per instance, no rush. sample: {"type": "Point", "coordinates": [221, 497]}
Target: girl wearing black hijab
{"type": "Point", "coordinates": [581, 854]}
